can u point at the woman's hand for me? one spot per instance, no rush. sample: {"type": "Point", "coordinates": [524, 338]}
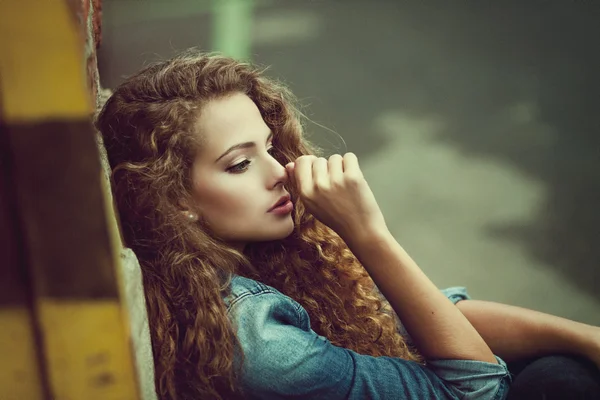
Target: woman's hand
{"type": "Point", "coordinates": [594, 348]}
{"type": "Point", "coordinates": [336, 192]}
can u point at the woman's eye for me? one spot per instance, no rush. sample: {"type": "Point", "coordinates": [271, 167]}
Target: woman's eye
{"type": "Point", "coordinates": [240, 167]}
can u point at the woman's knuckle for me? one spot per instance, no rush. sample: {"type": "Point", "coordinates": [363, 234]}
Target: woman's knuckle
{"type": "Point", "coordinates": [305, 157]}
{"type": "Point", "coordinates": [337, 184]}
{"type": "Point", "coordinates": [324, 186]}
{"type": "Point", "coordinates": [306, 193]}
{"type": "Point", "coordinates": [352, 180]}
{"type": "Point", "coordinates": [318, 184]}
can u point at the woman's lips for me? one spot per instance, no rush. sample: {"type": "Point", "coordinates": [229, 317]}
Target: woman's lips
{"type": "Point", "coordinates": [284, 208]}
{"type": "Point", "coordinates": [282, 200]}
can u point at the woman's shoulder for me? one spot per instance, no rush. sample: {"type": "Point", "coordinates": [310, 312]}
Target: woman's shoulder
{"type": "Point", "coordinates": [242, 287]}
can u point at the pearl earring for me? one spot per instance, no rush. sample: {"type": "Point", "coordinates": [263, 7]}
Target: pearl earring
{"type": "Point", "coordinates": [191, 216]}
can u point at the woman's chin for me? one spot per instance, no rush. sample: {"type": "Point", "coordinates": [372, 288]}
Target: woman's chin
{"type": "Point", "coordinates": [284, 229]}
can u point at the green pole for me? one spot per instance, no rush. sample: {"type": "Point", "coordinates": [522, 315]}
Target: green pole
{"type": "Point", "coordinates": [232, 24]}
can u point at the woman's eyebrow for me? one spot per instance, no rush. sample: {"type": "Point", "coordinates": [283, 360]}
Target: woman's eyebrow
{"type": "Point", "coordinates": [244, 145]}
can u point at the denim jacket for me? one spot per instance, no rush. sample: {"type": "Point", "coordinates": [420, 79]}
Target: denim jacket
{"type": "Point", "coordinates": [284, 358]}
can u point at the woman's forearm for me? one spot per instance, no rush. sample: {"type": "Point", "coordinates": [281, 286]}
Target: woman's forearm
{"type": "Point", "coordinates": [514, 333]}
{"type": "Point", "coordinates": [439, 330]}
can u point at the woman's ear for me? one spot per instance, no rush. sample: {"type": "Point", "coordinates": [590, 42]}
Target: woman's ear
{"type": "Point", "coordinates": [187, 211]}
{"type": "Point", "coordinates": [190, 215]}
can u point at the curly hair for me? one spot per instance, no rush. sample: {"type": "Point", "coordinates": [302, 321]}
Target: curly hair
{"type": "Point", "coordinates": [147, 126]}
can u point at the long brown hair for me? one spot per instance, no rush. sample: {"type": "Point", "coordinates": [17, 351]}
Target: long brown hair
{"type": "Point", "coordinates": [147, 128]}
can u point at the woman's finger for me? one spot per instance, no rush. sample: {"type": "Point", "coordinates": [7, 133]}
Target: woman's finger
{"type": "Point", "coordinates": [289, 169]}
{"type": "Point", "coordinates": [320, 173]}
{"type": "Point", "coordinates": [303, 175]}
{"type": "Point", "coordinates": [336, 168]}
{"type": "Point", "coordinates": [351, 167]}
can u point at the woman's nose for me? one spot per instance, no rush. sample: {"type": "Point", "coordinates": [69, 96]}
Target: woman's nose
{"type": "Point", "coordinates": [281, 173]}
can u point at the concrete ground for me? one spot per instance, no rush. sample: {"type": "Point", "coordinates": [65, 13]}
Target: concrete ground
{"type": "Point", "coordinates": [475, 124]}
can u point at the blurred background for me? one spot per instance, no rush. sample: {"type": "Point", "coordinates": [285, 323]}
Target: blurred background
{"type": "Point", "coordinates": [475, 123]}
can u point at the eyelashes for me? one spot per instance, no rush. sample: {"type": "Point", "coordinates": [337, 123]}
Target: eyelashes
{"type": "Point", "coordinates": [243, 165]}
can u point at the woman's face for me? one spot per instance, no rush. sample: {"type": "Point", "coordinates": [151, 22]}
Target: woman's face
{"type": "Point", "coordinates": [235, 179]}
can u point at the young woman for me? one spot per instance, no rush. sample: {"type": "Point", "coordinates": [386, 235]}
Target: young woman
{"type": "Point", "coordinates": [269, 272]}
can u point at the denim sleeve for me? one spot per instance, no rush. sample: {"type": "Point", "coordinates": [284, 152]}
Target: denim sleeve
{"type": "Point", "coordinates": [456, 294]}
{"type": "Point", "coordinates": [284, 358]}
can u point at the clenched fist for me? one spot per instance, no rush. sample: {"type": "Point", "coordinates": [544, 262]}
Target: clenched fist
{"type": "Point", "coordinates": [336, 193]}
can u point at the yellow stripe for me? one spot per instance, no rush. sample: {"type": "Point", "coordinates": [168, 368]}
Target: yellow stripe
{"type": "Point", "coordinates": [88, 354]}
{"type": "Point", "coordinates": [85, 342]}
{"type": "Point", "coordinates": [19, 377]}
{"type": "Point", "coordinates": [41, 62]}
